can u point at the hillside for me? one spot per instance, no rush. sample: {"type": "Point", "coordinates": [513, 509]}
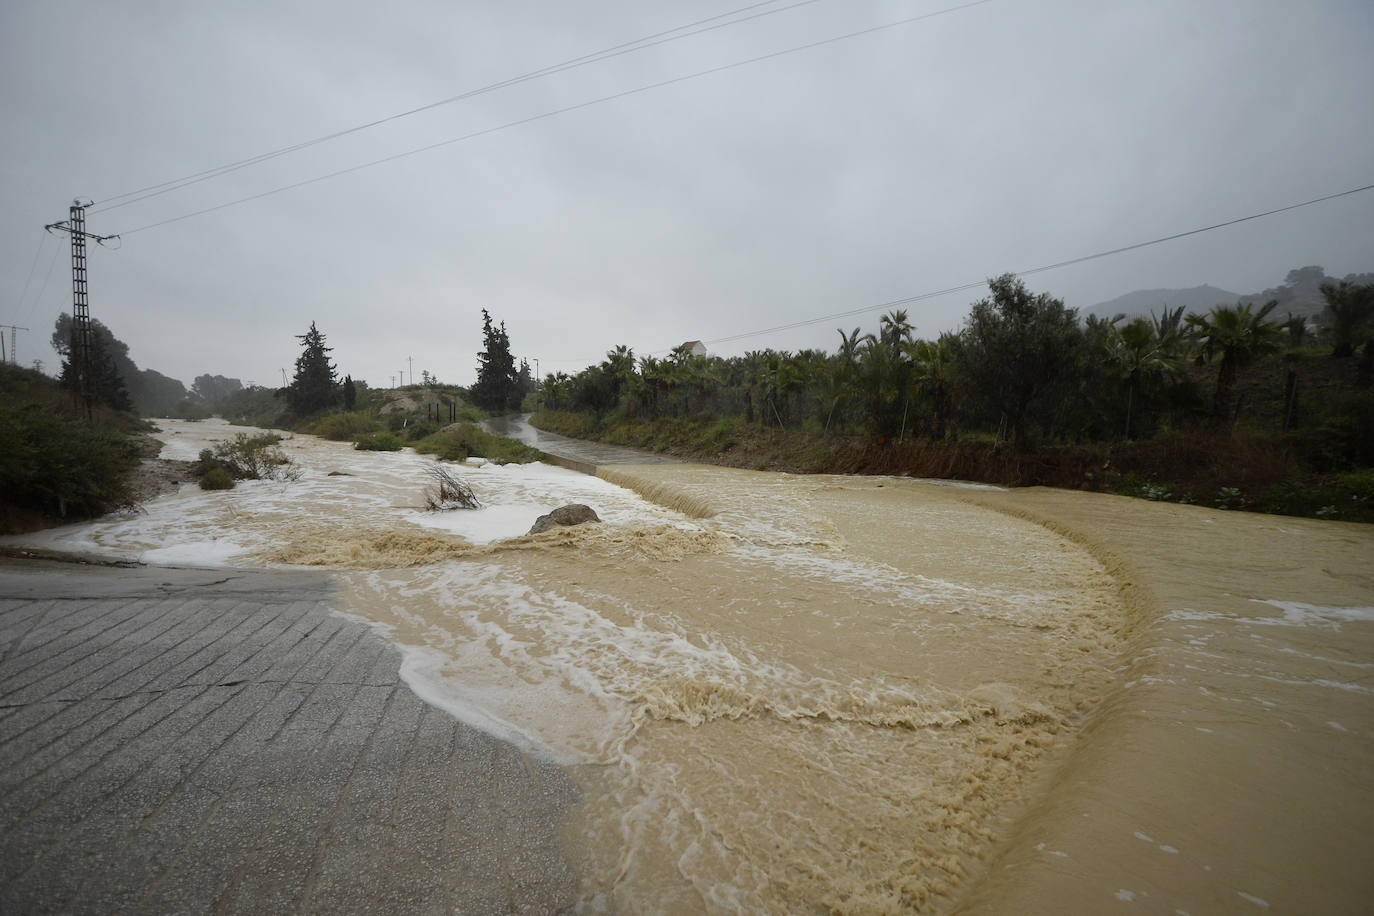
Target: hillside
{"type": "Point", "coordinates": [1145, 301]}
{"type": "Point", "coordinates": [1299, 294]}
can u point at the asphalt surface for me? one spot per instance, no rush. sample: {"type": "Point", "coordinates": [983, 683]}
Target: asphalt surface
{"type": "Point", "coordinates": [197, 741]}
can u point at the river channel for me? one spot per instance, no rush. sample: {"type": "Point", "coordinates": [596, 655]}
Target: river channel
{"type": "Point", "coordinates": [786, 693]}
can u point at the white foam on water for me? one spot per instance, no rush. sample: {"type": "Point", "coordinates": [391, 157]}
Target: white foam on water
{"type": "Point", "coordinates": [958, 484]}
{"type": "Point", "coordinates": [1295, 614]}
{"type": "Point", "coordinates": [485, 525]}
{"type": "Point", "coordinates": [514, 495]}
{"type": "Point", "coordinates": [212, 553]}
{"type": "Point", "coordinates": [422, 669]}
{"type": "Point", "coordinates": [1298, 614]}
{"type": "Point", "coordinates": [1251, 898]}
{"type": "Point", "coordinates": [337, 490]}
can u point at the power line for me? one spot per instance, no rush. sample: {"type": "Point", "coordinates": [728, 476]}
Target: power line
{"type": "Point", "coordinates": [639, 44]}
{"type": "Point", "coordinates": [52, 262]}
{"type": "Point", "coordinates": [19, 306]}
{"type": "Point", "coordinates": [963, 287]}
{"type": "Point", "coordinates": [559, 111]}
{"type": "Point", "coordinates": [977, 284]}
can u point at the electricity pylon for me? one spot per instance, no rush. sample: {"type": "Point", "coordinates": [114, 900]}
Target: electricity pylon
{"type": "Point", "coordinates": [14, 333]}
{"type": "Point", "coordinates": [75, 226]}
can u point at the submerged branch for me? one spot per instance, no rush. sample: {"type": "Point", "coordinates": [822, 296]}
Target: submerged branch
{"type": "Point", "coordinates": [447, 491]}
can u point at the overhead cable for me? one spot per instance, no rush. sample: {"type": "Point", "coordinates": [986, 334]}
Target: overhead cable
{"type": "Point", "coordinates": [668, 35]}
{"type": "Point", "coordinates": [963, 287]}
{"type": "Point", "coordinates": [559, 111]}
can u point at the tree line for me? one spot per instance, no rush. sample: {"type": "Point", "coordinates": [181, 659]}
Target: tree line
{"type": "Point", "coordinates": [1023, 367]}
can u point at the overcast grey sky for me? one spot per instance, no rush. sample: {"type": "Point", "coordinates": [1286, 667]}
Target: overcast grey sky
{"type": "Point", "coordinates": [995, 138]}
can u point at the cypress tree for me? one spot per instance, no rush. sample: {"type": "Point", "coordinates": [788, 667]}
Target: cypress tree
{"type": "Point", "coordinates": [315, 386]}
{"type": "Point", "coordinates": [497, 387]}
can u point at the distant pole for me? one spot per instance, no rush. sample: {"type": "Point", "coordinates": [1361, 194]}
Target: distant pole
{"type": "Point", "coordinates": [283, 376]}
{"type": "Point", "coordinates": [411, 361]}
{"type": "Point", "coordinates": [537, 378]}
{"type": "Point", "coordinates": [14, 336]}
{"type": "Point", "coordinates": [75, 227]}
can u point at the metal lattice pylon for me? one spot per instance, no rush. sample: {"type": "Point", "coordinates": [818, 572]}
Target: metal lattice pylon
{"type": "Point", "coordinates": [75, 227]}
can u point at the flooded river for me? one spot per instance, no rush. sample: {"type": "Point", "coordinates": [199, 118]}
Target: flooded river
{"type": "Point", "coordinates": [809, 694]}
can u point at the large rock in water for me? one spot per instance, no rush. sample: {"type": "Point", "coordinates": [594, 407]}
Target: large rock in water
{"type": "Point", "coordinates": [573, 514]}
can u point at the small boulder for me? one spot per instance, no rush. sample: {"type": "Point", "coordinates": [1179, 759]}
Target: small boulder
{"type": "Point", "coordinates": [573, 514]}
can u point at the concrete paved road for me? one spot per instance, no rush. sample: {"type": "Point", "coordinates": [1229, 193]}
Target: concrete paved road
{"type": "Point", "coordinates": [217, 741]}
{"type": "Point", "coordinates": [580, 454]}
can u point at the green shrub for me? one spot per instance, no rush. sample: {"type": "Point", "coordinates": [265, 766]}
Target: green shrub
{"type": "Point", "coordinates": [248, 457]}
{"type": "Point", "coordinates": [346, 427]}
{"type": "Point", "coordinates": [1360, 484]}
{"type": "Point", "coordinates": [1230, 498]}
{"type": "Point", "coordinates": [462, 440]}
{"type": "Point", "coordinates": [62, 466]}
{"type": "Point", "coordinates": [416, 431]}
{"type": "Point", "coordinates": [217, 478]}
{"type": "Point", "coordinates": [378, 442]}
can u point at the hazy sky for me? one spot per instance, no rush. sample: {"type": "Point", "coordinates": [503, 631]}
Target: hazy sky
{"type": "Point", "coordinates": [999, 137]}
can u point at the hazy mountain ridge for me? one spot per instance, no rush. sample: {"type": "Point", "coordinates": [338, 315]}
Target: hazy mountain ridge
{"type": "Point", "coordinates": [1299, 294]}
{"type": "Point", "coordinates": [1145, 301]}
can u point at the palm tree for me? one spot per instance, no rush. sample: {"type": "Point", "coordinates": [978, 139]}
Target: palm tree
{"type": "Point", "coordinates": [651, 371]}
{"type": "Point", "coordinates": [894, 329]}
{"type": "Point", "coordinates": [1235, 337]}
{"type": "Point", "coordinates": [841, 372]}
{"type": "Point", "coordinates": [1349, 308]}
{"type": "Point", "coordinates": [780, 379]}
{"type": "Point", "coordinates": [1146, 349]}
{"type": "Point", "coordinates": [932, 367]}
{"type": "Point", "coordinates": [885, 373]}
{"type": "Point", "coordinates": [555, 390]}
{"type": "Point", "coordinates": [619, 365]}
{"type": "Point", "coordinates": [1171, 331]}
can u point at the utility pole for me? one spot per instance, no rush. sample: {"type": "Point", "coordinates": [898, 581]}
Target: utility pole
{"type": "Point", "coordinates": [536, 382]}
{"type": "Point", "coordinates": [411, 361]}
{"type": "Point", "coordinates": [14, 333]}
{"type": "Point", "coordinates": [75, 227]}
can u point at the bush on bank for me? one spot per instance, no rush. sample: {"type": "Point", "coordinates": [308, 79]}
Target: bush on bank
{"type": "Point", "coordinates": [381, 441]}
{"type": "Point", "coordinates": [59, 467]}
{"type": "Point", "coordinates": [463, 440]}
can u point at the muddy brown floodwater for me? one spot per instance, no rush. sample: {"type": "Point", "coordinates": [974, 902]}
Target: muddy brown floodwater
{"type": "Point", "coordinates": [810, 694]}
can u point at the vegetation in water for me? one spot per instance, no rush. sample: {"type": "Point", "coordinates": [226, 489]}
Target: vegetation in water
{"type": "Point", "coordinates": [248, 457]}
{"type": "Point", "coordinates": [464, 440]}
